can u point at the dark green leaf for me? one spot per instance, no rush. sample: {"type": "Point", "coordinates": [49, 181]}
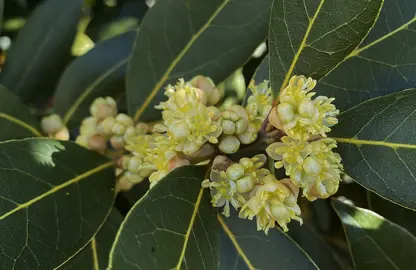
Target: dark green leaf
{"type": "Point", "coordinates": [182, 38]}
{"type": "Point", "coordinates": [172, 226]}
{"type": "Point", "coordinates": [243, 247]}
{"type": "Point", "coordinates": [95, 254]}
{"type": "Point", "coordinates": [375, 242]}
{"type": "Point", "coordinates": [261, 74]}
{"type": "Point", "coordinates": [400, 215]}
{"type": "Point", "coordinates": [384, 63]}
{"type": "Point", "coordinates": [54, 197]}
{"type": "Point", "coordinates": [1, 13]}
{"type": "Point", "coordinates": [15, 119]}
{"type": "Point", "coordinates": [100, 72]}
{"type": "Point", "coordinates": [377, 142]}
{"type": "Point", "coordinates": [311, 37]}
{"type": "Point", "coordinates": [41, 50]}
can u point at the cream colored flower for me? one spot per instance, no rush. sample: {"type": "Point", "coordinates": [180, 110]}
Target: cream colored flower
{"type": "Point", "coordinates": [259, 103]}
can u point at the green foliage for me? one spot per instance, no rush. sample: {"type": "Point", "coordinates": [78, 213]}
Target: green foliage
{"type": "Point", "coordinates": [58, 208]}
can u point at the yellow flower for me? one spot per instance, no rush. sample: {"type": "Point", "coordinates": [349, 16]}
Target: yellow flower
{"type": "Point", "coordinates": [314, 167]}
{"type": "Point", "coordinates": [301, 117]}
{"type": "Point", "coordinates": [272, 202]}
{"type": "Point", "coordinates": [259, 103]}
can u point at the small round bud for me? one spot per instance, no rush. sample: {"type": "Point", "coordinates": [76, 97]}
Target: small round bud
{"type": "Point", "coordinates": [280, 212]}
{"type": "Point", "coordinates": [235, 171]}
{"type": "Point", "coordinates": [118, 129]}
{"type": "Point", "coordinates": [190, 148]}
{"type": "Point", "coordinates": [106, 126]}
{"type": "Point", "coordinates": [142, 128]}
{"type": "Point", "coordinates": [51, 124]}
{"type": "Point", "coordinates": [307, 108]}
{"type": "Point", "coordinates": [274, 119]}
{"type": "Point", "coordinates": [245, 162]}
{"type": "Point", "coordinates": [133, 177]}
{"type": "Point", "coordinates": [88, 126]}
{"type": "Point", "coordinates": [130, 133]}
{"type": "Point", "coordinates": [249, 136]}
{"type": "Point", "coordinates": [124, 162]}
{"type": "Point", "coordinates": [97, 143]}
{"type": "Point", "coordinates": [95, 104]}
{"type": "Point", "coordinates": [62, 134]}
{"type": "Point", "coordinates": [102, 108]}
{"type": "Point", "coordinates": [117, 142]}
{"type": "Point", "coordinates": [241, 126]}
{"type": "Point", "coordinates": [124, 119]}
{"type": "Point", "coordinates": [311, 166]}
{"type": "Point", "coordinates": [134, 164]}
{"type": "Point", "coordinates": [240, 111]}
{"type": "Point", "coordinates": [245, 184]}
{"type": "Point", "coordinates": [229, 144]}
{"type": "Point", "coordinates": [124, 184]}
{"type": "Point", "coordinates": [286, 112]}
{"type": "Point", "coordinates": [82, 140]}
{"type": "Point", "coordinates": [228, 127]}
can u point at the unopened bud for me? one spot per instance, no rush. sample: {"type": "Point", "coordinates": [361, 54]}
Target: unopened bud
{"type": "Point", "coordinates": [117, 142]}
{"type": "Point", "coordinates": [97, 143]}
{"type": "Point", "coordinates": [89, 126]}
{"type": "Point", "coordinates": [286, 112]}
{"type": "Point", "coordinates": [235, 171]}
{"type": "Point", "coordinates": [245, 184]}
{"type": "Point", "coordinates": [228, 127]}
{"type": "Point", "coordinates": [124, 184]}
{"type": "Point", "coordinates": [130, 133]}
{"type": "Point", "coordinates": [106, 126]}
{"type": "Point", "coordinates": [124, 119]}
{"type": "Point", "coordinates": [249, 136]}
{"type": "Point", "coordinates": [133, 177]}
{"type": "Point", "coordinates": [274, 119]}
{"type": "Point", "coordinates": [190, 148]}
{"type": "Point", "coordinates": [134, 164]}
{"type": "Point", "coordinates": [241, 126]}
{"type": "Point", "coordinates": [51, 124]}
{"type": "Point", "coordinates": [142, 128]}
{"type": "Point", "coordinates": [208, 86]}
{"type": "Point", "coordinates": [118, 129]}
{"type": "Point", "coordinates": [82, 140]}
{"type": "Point", "coordinates": [311, 166]}
{"type": "Point", "coordinates": [229, 144]}
{"type": "Point", "coordinates": [62, 135]}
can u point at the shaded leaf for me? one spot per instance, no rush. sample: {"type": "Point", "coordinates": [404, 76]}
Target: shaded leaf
{"type": "Point", "coordinates": [375, 242]}
{"type": "Point", "coordinates": [384, 63]}
{"type": "Point", "coordinates": [15, 118]}
{"type": "Point", "coordinates": [184, 39]}
{"type": "Point", "coordinates": [54, 197]}
{"type": "Point", "coordinates": [400, 215]}
{"type": "Point", "coordinates": [41, 49]}
{"type": "Point", "coordinates": [172, 226]}
{"type": "Point", "coordinates": [100, 72]}
{"type": "Point", "coordinates": [95, 254]}
{"type": "Point", "coordinates": [261, 74]}
{"type": "Point", "coordinates": [243, 247]}
{"type": "Point", "coordinates": [309, 38]}
{"type": "Point", "coordinates": [377, 142]}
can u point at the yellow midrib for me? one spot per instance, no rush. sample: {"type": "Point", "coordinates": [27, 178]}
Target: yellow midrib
{"type": "Point", "coordinates": [189, 230]}
{"type": "Point", "coordinates": [376, 143]}
{"type": "Point", "coordinates": [21, 123]}
{"type": "Point", "coordinates": [301, 47]}
{"type": "Point", "coordinates": [94, 254]}
{"type": "Point", "coordinates": [235, 243]}
{"type": "Point", "coordinates": [89, 89]}
{"type": "Point", "coordinates": [165, 76]}
{"type": "Point", "coordinates": [57, 188]}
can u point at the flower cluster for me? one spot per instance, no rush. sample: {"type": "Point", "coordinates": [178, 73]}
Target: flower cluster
{"type": "Point", "coordinates": [255, 190]}
{"type": "Point", "coordinates": [305, 152]}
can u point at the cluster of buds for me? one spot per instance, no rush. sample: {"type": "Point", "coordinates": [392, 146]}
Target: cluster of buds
{"type": "Point", "coordinates": [304, 151]}
{"type": "Point", "coordinates": [53, 126]}
{"type": "Point", "coordinates": [254, 190]}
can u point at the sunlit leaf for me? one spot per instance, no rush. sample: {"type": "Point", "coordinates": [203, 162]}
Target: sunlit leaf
{"type": "Point", "coordinates": [179, 38]}
{"type": "Point", "coordinates": [375, 242]}
{"type": "Point", "coordinates": [377, 142]}
{"type": "Point", "coordinates": [311, 37]}
{"type": "Point", "coordinates": [54, 197]}
{"type": "Point", "coordinates": [172, 226]}
{"type": "Point", "coordinates": [243, 247]}
{"type": "Point", "coordinates": [100, 72]}
{"type": "Point", "coordinates": [41, 49]}
{"type": "Point", "coordinates": [95, 254]}
{"type": "Point", "coordinates": [400, 215]}
{"type": "Point", "coordinates": [384, 63]}
{"type": "Point", "coordinates": [15, 119]}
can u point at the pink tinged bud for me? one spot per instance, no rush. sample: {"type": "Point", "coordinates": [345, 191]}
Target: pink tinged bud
{"type": "Point", "coordinates": [62, 135]}
{"type": "Point", "coordinates": [51, 124]}
{"type": "Point", "coordinates": [274, 119]}
{"type": "Point", "coordinates": [117, 142]}
{"type": "Point", "coordinates": [97, 143]}
{"type": "Point", "coordinates": [176, 162]}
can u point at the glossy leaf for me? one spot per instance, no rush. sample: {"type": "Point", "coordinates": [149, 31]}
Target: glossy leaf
{"type": "Point", "coordinates": [182, 38]}
{"type": "Point", "coordinates": [54, 197]}
{"type": "Point", "coordinates": [377, 142]}
{"type": "Point", "coordinates": [400, 215]}
{"type": "Point", "coordinates": [100, 72]}
{"type": "Point", "coordinates": [15, 118]}
{"type": "Point", "coordinates": [172, 226]}
{"type": "Point", "coordinates": [375, 242]}
{"type": "Point", "coordinates": [243, 247]}
{"type": "Point", "coordinates": [95, 254]}
{"type": "Point", "coordinates": [41, 50]}
{"type": "Point", "coordinates": [311, 37]}
{"type": "Point", "coordinates": [384, 63]}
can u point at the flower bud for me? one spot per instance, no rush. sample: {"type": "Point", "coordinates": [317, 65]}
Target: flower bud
{"type": "Point", "coordinates": [228, 127]}
{"type": "Point", "coordinates": [249, 136]}
{"type": "Point", "coordinates": [307, 108]}
{"type": "Point", "coordinates": [241, 126]}
{"type": "Point", "coordinates": [245, 184]}
{"type": "Point", "coordinates": [190, 148]}
{"type": "Point", "coordinates": [62, 134]}
{"type": "Point", "coordinates": [89, 126]}
{"type": "Point", "coordinates": [235, 171]}
{"type": "Point", "coordinates": [106, 126]}
{"type": "Point", "coordinates": [134, 178]}
{"type": "Point", "coordinates": [142, 128]}
{"type": "Point", "coordinates": [208, 86]}
{"type": "Point", "coordinates": [280, 212]}
{"type": "Point", "coordinates": [130, 133]}
{"type": "Point", "coordinates": [51, 124]}
{"type": "Point", "coordinates": [118, 129]}
{"type": "Point", "coordinates": [97, 143]}
{"type": "Point", "coordinates": [117, 142]}
{"type": "Point", "coordinates": [134, 164]}
{"type": "Point", "coordinates": [124, 161]}
{"type": "Point", "coordinates": [124, 119]}
{"type": "Point", "coordinates": [286, 112]}
{"type": "Point", "coordinates": [82, 140]}
{"type": "Point", "coordinates": [311, 166]}
{"type": "Point", "coordinates": [229, 144]}
{"type": "Point", "coordinates": [274, 119]}
{"type": "Point", "coordinates": [124, 184]}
